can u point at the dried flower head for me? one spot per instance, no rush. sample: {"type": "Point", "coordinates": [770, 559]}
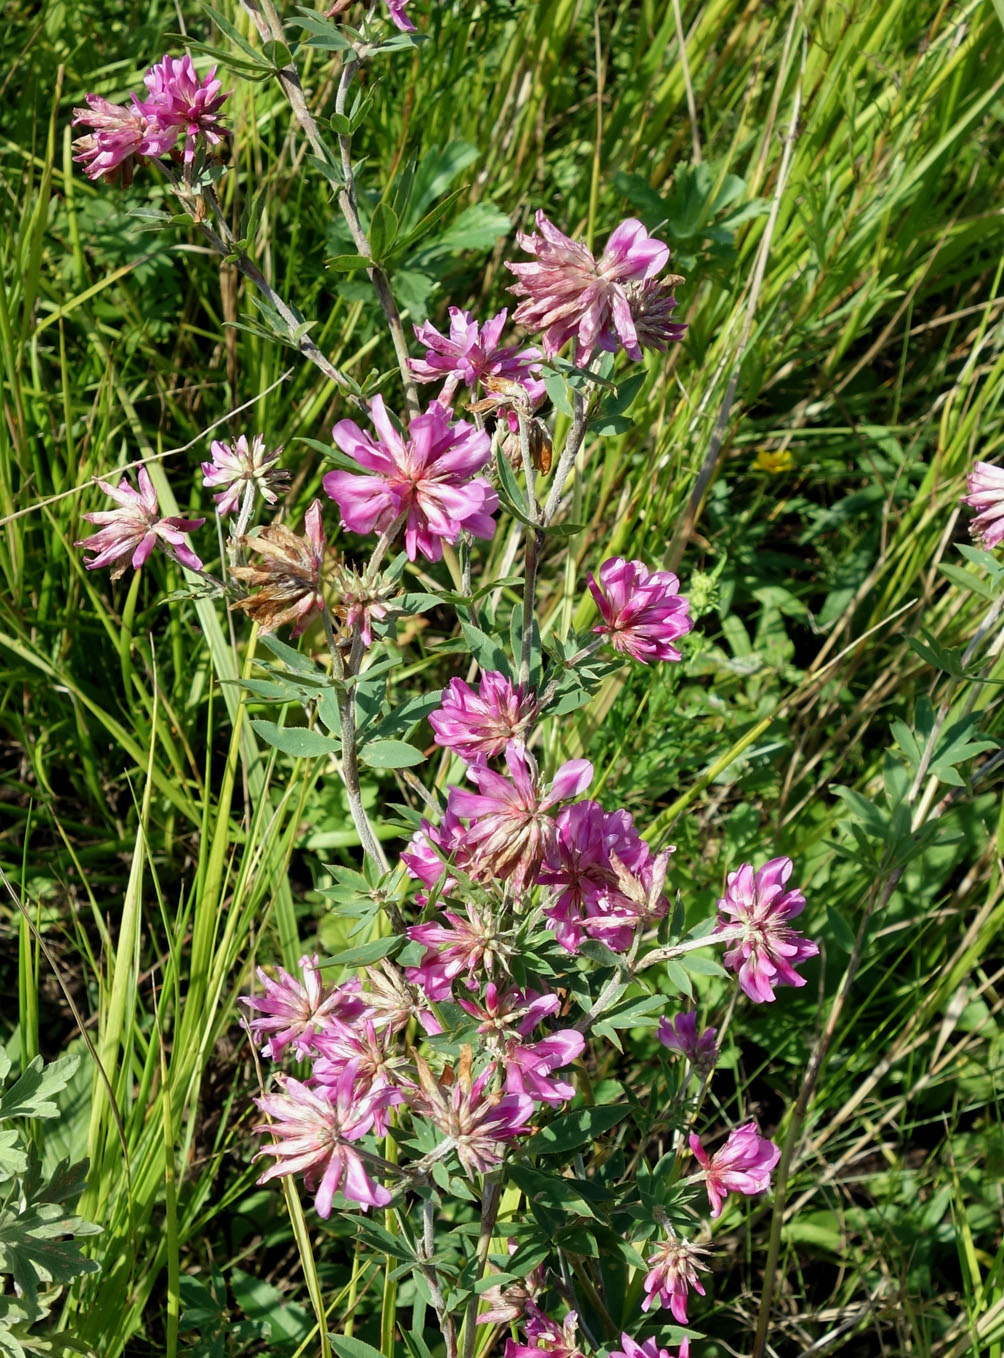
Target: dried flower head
{"type": "Point", "coordinates": [287, 580]}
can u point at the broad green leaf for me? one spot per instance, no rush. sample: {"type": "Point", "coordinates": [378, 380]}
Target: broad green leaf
{"type": "Point", "coordinates": [296, 740]}
{"type": "Point", "coordinates": [349, 1347]}
{"type": "Point", "coordinates": [570, 1130]}
{"type": "Point", "coordinates": [390, 754]}
{"type": "Point", "coordinates": [33, 1249]}
{"type": "Point", "coordinates": [30, 1096]}
{"type": "Point", "coordinates": [366, 952]}
{"type": "Point", "coordinates": [13, 1159]}
{"type": "Point", "coordinates": [348, 263]}
{"type": "Point", "coordinates": [383, 230]}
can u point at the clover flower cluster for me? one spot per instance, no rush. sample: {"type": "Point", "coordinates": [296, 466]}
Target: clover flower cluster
{"type": "Point", "coordinates": [514, 856]}
{"type": "Point", "coordinates": [362, 1066]}
{"type": "Point", "coordinates": [178, 104]}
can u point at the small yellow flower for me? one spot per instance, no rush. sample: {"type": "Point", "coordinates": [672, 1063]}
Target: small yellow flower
{"type": "Point", "coordinates": [773, 460]}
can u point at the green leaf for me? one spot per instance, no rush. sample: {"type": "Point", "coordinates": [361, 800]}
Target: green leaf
{"type": "Point", "coordinates": [605, 426]}
{"type": "Point", "coordinates": [347, 263]}
{"type": "Point", "coordinates": [383, 1242]}
{"type": "Point", "coordinates": [325, 36]}
{"type": "Point", "coordinates": [408, 714]}
{"type": "Point", "coordinates": [264, 1304]}
{"type": "Point", "coordinates": [13, 1159]}
{"type": "Point", "coordinates": [33, 1250]}
{"type": "Point", "coordinates": [477, 227]}
{"type": "Point", "coordinates": [30, 1096]}
{"type": "Point", "coordinates": [390, 754]}
{"type": "Point", "coordinates": [383, 230]}
{"type": "Point", "coordinates": [557, 391]}
{"type": "Point", "coordinates": [295, 740]}
{"type": "Point", "coordinates": [574, 1129]}
{"type": "Point", "coordinates": [350, 1347]}
{"type": "Point", "coordinates": [485, 650]}
{"type": "Point", "coordinates": [840, 930]}
{"type": "Point", "coordinates": [967, 580]}
{"type": "Point", "coordinates": [367, 952]}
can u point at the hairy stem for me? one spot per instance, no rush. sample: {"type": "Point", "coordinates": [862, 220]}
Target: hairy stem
{"type": "Point", "coordinates": [221, 239]}
{"type": "Point", "coordinates": [426, 1250]}
{"type": "Point", "coordinates": [489, 1212]}
{"type": "Point", "coordinates": [269, 25]}
{"type": "Point", "coordinates": [371, 846]}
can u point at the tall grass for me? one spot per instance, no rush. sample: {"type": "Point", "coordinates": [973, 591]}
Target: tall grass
{"type": "Point", "coordinates": [832, 179]}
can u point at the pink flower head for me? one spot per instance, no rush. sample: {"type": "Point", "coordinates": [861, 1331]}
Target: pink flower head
{"type": "Point", "coordinates": [134, 528]}
{"type": "Point", "coordinates": [294, 1011]}
{"type": "Point", "coordinates": [479, 725]}
{"type": "Point", "coordinates": [428, 478]}
{"type": "Point", "coordinates": [473, 1118]}
{"type": "Point", "coordinates": [569, 294]}
{"type": "Point", "coordinates": [397, 16]}
{"type": "Point", "coordinates": [743, 1164]}
{"type": "Point", "coordinates": [642, 611]}
{"type": "Point", "coordinates": [680, 1034]}
{"type": "Point", "coordinates": [545, 1336]}
{"type": "Point", "coordinates": [579, 867]}
{"type": "Point", "coordinates": [650, 1349]}
{"type": "Point", "coordinates": [469, 945]}
{"type": "Point", "coordinates": [509, 830]}
{"type": "Point", "coordinates": [117, 135]}
{"type": "Point", "coordinates": [764, 949]}
{"type": "Point", "coordinates": [428, 849]}
{"type": "Point", "coordinates": [369, 1051]}
{"type": "Point", "coordinates": [313, 1129]}
{"type": "Point", "coordinates": [672, 1273]}
{"type": "Point", "coordinates": [530, 1067]}
{"type": "Point", "coordinates": [505, 1013]}
{"type": "Point", "coordinates": [180, 102]}
{"type": "Point", "coordinates": [471, 353]}
{"type": "Point", "coordinates": [986, 496]}
{"type": "Point", "coordinates": [243, 471]}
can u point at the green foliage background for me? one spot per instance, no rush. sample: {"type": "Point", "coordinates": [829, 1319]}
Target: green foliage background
{"type": "Point", "coordinates": [830, 178]}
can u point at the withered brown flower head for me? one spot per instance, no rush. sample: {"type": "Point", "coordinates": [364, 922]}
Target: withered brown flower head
{"type": "Point", "coordinates": [287, 580]}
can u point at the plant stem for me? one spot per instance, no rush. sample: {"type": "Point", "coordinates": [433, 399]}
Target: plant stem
{"type": "Point", "coordinates": [568, 455]}
{"type": "Point", "coordinates": [371, 846]}
{"type": "Point", "coordinates": [426, 1250]}
{"type": "Point", "coordinates": [269, 25]}
{"type": "Point", "coordinates": [489, 1211]}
